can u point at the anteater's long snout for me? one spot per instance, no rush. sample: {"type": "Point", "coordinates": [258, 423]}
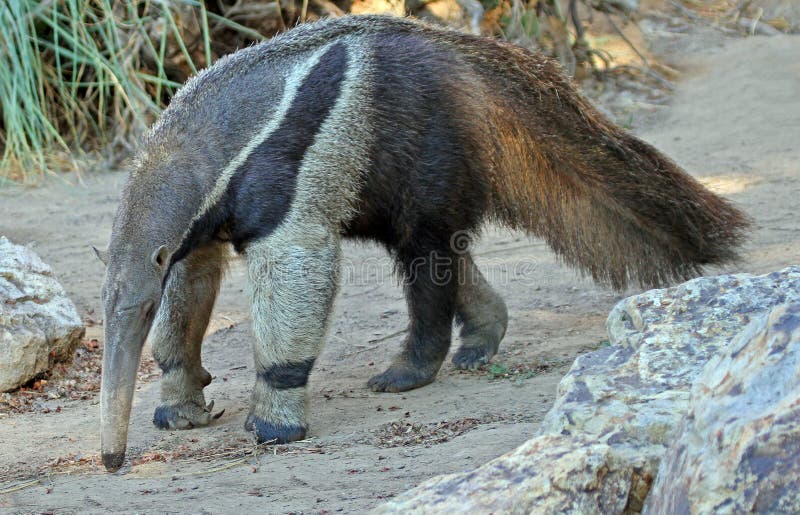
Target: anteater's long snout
{"type": "Point", "coordinates": [120, 364]}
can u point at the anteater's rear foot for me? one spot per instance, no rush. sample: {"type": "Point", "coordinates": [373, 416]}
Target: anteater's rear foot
{"type": "Point", "coordinates": [273, 433]}
{"type": "Point", "coordinates": [472, 357]}
{"type": "Point", "coordinates": [404, 375]}
{"type": "Point", "coordinates": [483, 317]}
{"type": "Point", "coordinates": [479, 345]}
{"type": "Point", "coordinates": [184, 416]}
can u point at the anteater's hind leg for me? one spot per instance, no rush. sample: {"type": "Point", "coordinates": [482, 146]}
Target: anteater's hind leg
{"type": "Point", "coordinates": [482, 314]}
{"type": "Point", "coordinates": [293, 279]}
{"type": "Point", "coordinates": [430, 276]}
{"type": "Point", "coordinates": [177, 336]}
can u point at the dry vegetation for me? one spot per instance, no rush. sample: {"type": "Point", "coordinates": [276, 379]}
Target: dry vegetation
{"type": "Point", "coordinates": [83, 78]}
{"type": "Point", "coordinates": [76, 380]}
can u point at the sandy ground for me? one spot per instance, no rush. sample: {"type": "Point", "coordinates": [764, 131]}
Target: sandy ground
{"type": "Point", "coordinates": [734, 122]}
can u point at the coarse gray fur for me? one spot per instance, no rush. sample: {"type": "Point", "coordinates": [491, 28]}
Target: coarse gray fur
{"type": "Point", "coordinates": [385, 129]}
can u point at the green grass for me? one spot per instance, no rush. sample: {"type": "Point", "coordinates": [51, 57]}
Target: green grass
{"type": "Point", "coordinates": [497, 370]}
{"type": "Point", "coordinates": [78, 76]}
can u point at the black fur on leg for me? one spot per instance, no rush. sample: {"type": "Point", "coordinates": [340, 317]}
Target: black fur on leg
{"type": "Point", "coordinates": [267, 432]}
{"type": "Point", "coordinates": [287, 375]}
{"type": "Point", "coordinates": [482, 314]}
{"type": "Point", "coordinates": [424, 168]}
{"type": "Point", "coordinates": [431, 284]}
{"type": "Point", "coordinates": [162, 417]}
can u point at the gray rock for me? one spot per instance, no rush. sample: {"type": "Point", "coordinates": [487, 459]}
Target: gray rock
{"type": "Point", "coordinates": [622, 404]}
{"type": "Point", "coordinates": [634, 394]}
{"type": "Point", "coordinates": [38, 323]}
{"type": "Point", "coordinates": [548, 474]}
{"type": "Point", "coordinates": [739, 449]}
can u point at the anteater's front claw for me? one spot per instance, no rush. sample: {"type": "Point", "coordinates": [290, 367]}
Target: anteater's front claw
{"type": "Point", "coordinates": [184, 416]}
{"type": "Point", "coordinates": [210, 408]}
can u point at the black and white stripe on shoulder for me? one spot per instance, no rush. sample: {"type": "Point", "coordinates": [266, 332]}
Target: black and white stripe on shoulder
{"type": "Point", "coordinates": [255, 190]}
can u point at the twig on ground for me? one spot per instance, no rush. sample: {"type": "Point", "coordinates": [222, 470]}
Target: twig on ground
{"type": "Point", "coordinates": [627, 41]}
{"type": "Point", "coordinates": [21, 486]}
{"type": "Point", "coordinates": [388, 336]}
{"type": "Point", "coordinates": [647, 70]}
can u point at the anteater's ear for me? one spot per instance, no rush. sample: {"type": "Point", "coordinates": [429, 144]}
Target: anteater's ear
{"type": "Point", "coordinates": [102, 255]}
{"type": "Point", "coordinates": [160, 257]}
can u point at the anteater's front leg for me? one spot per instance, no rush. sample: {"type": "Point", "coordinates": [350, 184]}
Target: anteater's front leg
{"type": "Point", "coordinates": [293, 277]}
{"type": "Point", "coordinates": [177, 336]}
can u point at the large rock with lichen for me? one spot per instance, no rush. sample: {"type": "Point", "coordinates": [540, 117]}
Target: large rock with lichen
{"type": "Point", "coordinates": [548, 474]}
{"type": "Point", "coordinates": [622, 404]}
{"type": "Point", "coordinates": [738, 450]}
{"type": "Point", "coordinates": [634, 393]}
{"type": "Point", "coordinates": [38, 323]}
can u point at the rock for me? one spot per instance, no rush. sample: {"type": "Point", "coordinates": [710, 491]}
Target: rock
{"type": "Point", "coordinates": [622, 404]}
{"type": "Point", "coordinates": [633, 394]}
{"type": "Point", "coordinates": [739, 448]}
{"type": "Point", "coordinates": [36, 317]}
{"type": "Point", "coordinates": [548, 474]}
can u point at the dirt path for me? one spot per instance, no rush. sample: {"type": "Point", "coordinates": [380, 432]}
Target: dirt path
{"type": "Point", "coordinates": [735, 124]}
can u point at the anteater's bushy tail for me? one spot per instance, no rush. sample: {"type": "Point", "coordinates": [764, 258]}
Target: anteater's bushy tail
{"type": "Point", "coordinates": [605, 201]}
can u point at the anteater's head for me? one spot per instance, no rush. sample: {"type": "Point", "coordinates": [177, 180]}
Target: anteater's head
{"type": "Point", "coordinates": [131, 294]}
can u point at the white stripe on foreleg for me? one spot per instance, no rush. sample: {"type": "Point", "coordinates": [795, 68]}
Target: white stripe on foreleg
{"type": "Point", "coordinates": [293, 279]}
